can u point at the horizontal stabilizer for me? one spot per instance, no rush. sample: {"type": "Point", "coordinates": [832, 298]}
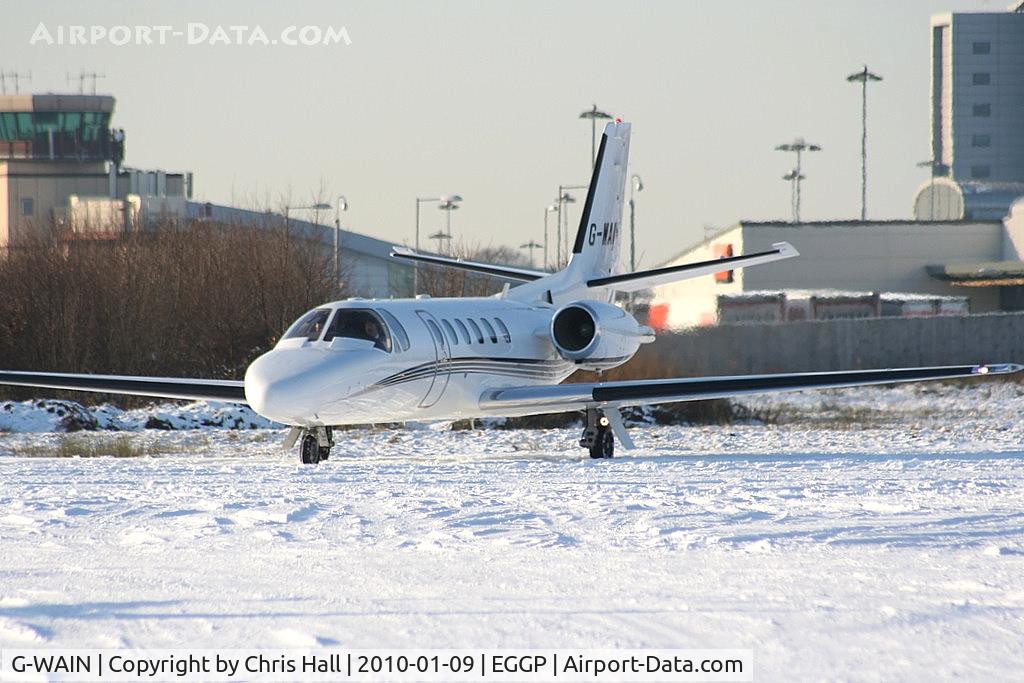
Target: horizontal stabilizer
{"type": "Point", "coordinates": [640, 392]}
{"type": "Point", "coordinates": [632, 282]}
{"type": "Point", "coordinates": [231, 391]}
{"type": "Point", "coordinates": [508, 272]}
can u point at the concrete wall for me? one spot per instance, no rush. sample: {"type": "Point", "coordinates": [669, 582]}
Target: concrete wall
{"type": "Point", "coordinates": [875, 257]}
{"type": "Point", "coordinates": [48, 184]}
{"type": "Point", "coordinates": [837, 345]}
{"type": "Point", "coordinates": [1013, 237]}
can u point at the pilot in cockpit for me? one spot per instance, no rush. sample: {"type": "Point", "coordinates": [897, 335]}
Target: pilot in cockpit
{"type": "Point", "coordinates": [371, 328]}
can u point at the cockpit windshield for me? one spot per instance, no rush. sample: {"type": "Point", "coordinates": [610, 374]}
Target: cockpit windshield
{"type": "Point", "coordinates": [359, 323]}
{"type": "Point", "coordinates": [310, 325]}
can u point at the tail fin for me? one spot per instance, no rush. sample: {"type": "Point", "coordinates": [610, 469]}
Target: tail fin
{"type": "Point", "coordinates": [596, 251]}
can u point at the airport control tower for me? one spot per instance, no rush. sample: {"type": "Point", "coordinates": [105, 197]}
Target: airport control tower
{"type": "Point", "coordinates": [61, 172]}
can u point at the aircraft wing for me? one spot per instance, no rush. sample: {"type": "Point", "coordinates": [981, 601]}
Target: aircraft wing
{"type": "Point", "coordinates": [231, 391]}
{"type": "Point", "coordinates": [509, 272]}
{"type": "Point", "coordinates": [523, 400]}
{"type": "Point", "coordinates": [645, 279]}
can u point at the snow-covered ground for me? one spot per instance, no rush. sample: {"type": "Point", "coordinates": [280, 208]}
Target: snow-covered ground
{"type": "Point", "coordinates": [871, 534]}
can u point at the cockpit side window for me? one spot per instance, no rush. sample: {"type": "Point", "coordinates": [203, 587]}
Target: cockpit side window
{"type": "Point", "coordinates": [310, 325]}
{"type": "Point", "coordinates": [359, 323]}
{"type": "Point", "coordinates": [397, 329]}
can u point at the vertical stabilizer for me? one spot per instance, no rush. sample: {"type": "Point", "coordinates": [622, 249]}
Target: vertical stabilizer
{"type": "Point", "coordinates": [597, 248]}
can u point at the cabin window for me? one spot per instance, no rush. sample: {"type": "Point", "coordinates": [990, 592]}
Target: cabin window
{"type": "Point", "coordinates": [476, 331]}
{"type": "Point", "coordinates": [453, 338]}
{"type": "Point", "coordinates": [490, 330]}
{"type": "Point", "coordinates": [436, 332]}
{"type": "Point", "coordinates": [504, 330]}
{"type": "Point", "coordinates": [463, 331]}
{"type": "Point", "coordinates": [359, 323]}
{"type": "Point", "coordinates": [397, 329]}
{"type": "Point", "coordinates": [310, 325]}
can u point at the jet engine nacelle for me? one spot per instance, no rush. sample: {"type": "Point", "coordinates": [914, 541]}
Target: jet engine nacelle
{"type": "Point", "coordinates": [596, 335]}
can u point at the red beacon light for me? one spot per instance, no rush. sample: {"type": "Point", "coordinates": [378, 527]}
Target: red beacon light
{"type": "Point", "coordinates": [618, 120]}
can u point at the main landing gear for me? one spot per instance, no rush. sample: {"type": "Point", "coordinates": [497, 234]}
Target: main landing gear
{"type": "Point", "coordinates": [314, 444]}
{"type": "Point", "coordinates": [598, 437]}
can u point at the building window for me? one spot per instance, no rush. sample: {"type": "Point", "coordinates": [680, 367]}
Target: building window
{"type": "Point", "coordinates": [983, 110]}
{"type": "Point", "coordinates": [981, 140]}
{"type": "Point", "coordinates": [981, 171]}
{"type": "Point", "coordinates": [982, 48]}
{"type": "Point", "coordinates": [28, 206]}
{"type": "Point", "coordinates": [981, 79]}
{"type": "Point", "coordinates": [723, 251]}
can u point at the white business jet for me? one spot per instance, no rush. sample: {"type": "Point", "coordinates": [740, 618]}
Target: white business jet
{"type": "Point", "coordinates": [357, 361]}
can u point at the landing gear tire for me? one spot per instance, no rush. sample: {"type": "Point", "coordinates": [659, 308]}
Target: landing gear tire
{"type": "Point", "coordinates": [598, 437]}
{"type": "Point", "coordinates": [604, 444]}
{"type": "Point", "coordinates": [309, 451]}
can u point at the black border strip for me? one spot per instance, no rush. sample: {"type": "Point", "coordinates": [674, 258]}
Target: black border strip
{"type": "Point", "coordinates": [581, 233]}
{"type": "Point", "coordinates": [186, 389]}
{"type": "Point", "coordinates": [696, 388]}
{"type": "Point", "coordinates": [628, 277]}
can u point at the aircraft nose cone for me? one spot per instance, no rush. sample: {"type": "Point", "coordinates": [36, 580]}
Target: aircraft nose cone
{"type": "Point", "coordinates": [273, 388]}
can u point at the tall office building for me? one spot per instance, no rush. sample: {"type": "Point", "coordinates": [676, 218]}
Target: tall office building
{"type": "Point", "coordinates": [977, 113]}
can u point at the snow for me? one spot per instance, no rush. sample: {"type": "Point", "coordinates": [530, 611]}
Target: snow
{"type": "Point", "coordinates": [872, 534]}
{"type": "Point", "coordinates": [52, 416]}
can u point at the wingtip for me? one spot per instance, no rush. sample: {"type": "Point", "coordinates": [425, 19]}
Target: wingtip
{"type": "Point", "coordinates": [786, 250]}
{"type": "Point", "coordinates": [998, 369]}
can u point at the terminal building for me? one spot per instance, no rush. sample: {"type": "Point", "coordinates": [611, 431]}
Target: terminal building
{"type": "Point", "coordinates": [62, 176]}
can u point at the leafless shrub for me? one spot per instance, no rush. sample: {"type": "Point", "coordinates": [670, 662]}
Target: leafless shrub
{"type": "Point", "coordinates": [202, 299]}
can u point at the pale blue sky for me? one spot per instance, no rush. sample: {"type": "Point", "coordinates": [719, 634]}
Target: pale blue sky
{"type": "Point", "coordinates": [482, 98]}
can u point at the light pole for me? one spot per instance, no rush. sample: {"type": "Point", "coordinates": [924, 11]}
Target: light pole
{"type": "Point", "coordinates": [531, 245]}
{"type": "Point", "coordinates": [799, 146]}
{"type": "Point", "coordinates": [420, 200]}
{"type": "Point", "coordinates": [440, 236]}
{"type": "Point", "coordinates": [636, 185]}
{"type": "Point", "coordinates": [548, 210]}
{"type": "Point", "coordinates": [564, 198]}
{"type": "Point", "coordinates": [794, 177]}
{"type": "Point", "coordinates": [448, 205]}
{"type": "Point", "coordinates": [864, 77]}
{"type": "Point", "coordinates": [594, 114]}
{"type": "Point", "coordinates": [319, 206]}
{"type": "Point", "coordinates": [340, 205]}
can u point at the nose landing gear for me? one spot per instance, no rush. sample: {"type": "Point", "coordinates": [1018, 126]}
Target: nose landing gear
{"type": "Point", "coordinates": [598, 437]}
{"type": "Point", "coordinates": [315, 445]}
